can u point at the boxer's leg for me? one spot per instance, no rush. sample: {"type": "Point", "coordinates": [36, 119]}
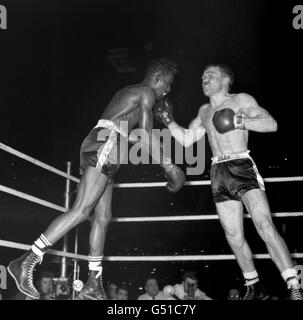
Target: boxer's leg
{"type": "Point", "coordinates": [257, 205]}
{"type": "Point", "coordinates": [91, 187]}
{"type": "Point", "coordinates": [100, 222]}
{"type": "Point", "coordinates": [90, 190]}
{"type": "Point", "coordinates": [93, 289]}
{"type": "Point", "coordinates": [231, 218]}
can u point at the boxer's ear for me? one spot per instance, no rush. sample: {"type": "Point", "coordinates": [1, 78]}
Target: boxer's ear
{"type": "Point", "coordinates": [226, 80]}
{"type": "Point", "coordinates": [157, 77]}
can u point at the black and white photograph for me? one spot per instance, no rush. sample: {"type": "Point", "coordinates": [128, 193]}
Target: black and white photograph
{"type": "Point", "coordinates": [151, 150]}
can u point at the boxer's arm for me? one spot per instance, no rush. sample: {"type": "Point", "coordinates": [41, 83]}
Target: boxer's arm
{"type": "Point", "coordinates": [151, 144]}
{"type": "Point", "coordinates": [148, 140]}
{"type": "Point", "coordinates": [189, 136]}
{"type": "Point", "coordinates": [256, 118]}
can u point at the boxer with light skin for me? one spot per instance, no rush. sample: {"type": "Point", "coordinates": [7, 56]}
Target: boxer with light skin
{"type": "Point", "coordinates": [99, 161]}
{"type": "Point", "coordinates": [235, 181]}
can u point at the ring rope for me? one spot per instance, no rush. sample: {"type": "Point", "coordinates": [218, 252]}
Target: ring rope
{"type": "Point", "coordinates": [36, 162]}
{"type": "Point", "coordinates": [28, 197]}
{"type": "Point", "coordinates": [196, 217]}
{"type": "Point", "coordinates": [21, 246]}
{"type": "Point", "coordinates": [197, 183]}
{"type": "Point", "coordinates": [124, 185]}
{"type": "Point", "coordinates": [15, 245]}
{"type": "Point", "coordinates": [189, 257]}
{"type": "Point", "coordinates": [134, 219]}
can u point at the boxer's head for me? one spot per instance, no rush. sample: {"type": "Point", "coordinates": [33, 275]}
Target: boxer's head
{"type": "Point", "coordinates": [159, 76]}
{"type": "Point", "coordinates": [151, 286]}
{"type": "Point", "coordinates": [217, 78]}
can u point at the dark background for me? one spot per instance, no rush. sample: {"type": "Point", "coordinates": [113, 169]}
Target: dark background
{"type": "Point", "coordinates": [56, 79]}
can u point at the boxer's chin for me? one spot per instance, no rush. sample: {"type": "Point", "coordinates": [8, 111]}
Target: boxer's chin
{"type": "Point", "coordinates": [206, 92]}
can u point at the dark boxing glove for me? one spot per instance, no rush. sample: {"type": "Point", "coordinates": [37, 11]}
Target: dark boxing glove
{"type": "Point", "coordinates": [227, 120]}
{"type": "Point", "coordinates": [175, 177]}
{"type": "Point", "coordinates": [163, 111]}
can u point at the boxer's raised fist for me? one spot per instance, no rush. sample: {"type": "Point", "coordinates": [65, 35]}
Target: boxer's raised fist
{"type": "Point", "coordinates": [227, 120]}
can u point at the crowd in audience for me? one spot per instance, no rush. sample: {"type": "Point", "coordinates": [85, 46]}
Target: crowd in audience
{"type": "Point", "coordinates": [187, 289]}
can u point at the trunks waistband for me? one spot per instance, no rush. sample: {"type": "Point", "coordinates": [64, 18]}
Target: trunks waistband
{"type": "Point", "coordinates": [108, 124]}
{"type": "Point", "coordinates": [230, 156]}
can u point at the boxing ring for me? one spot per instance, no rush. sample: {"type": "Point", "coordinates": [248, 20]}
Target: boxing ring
{"type": "Point", "coordinates": [148, 219]}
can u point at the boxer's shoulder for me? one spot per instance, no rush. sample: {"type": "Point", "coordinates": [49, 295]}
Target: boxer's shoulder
{"type": "Point", "coordinates": [243, 98]}
{"type": "Point", "coordinates": [137, 90]}
{"type": "Point", "coordinates": [142, 89]}
{"type": "Point", "coordinates": [235, 101]}
{"type": "Point", "coordinates": [203, 109]}
{"type": "Point", "coordinates": [144, 93]}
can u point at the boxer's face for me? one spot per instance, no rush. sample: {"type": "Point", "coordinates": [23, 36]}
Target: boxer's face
{"type": "Point", "coordinates": [162, 84]}
{"type": "Point", "coordinates": [212, 81]}
{"type": "Point", "coordinates": [152, 287]}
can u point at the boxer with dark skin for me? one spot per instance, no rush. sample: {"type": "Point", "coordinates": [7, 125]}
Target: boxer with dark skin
{"type": "Point", "coordinates": [235, 180]}
{"type": "Point", "coordinates": [99, 161]}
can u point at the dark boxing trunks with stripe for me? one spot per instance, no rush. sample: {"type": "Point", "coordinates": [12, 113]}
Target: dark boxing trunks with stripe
{"type": "Point", "coordinates": [232, 175]}
{"type": "Point", "coordinates": [101, 148]}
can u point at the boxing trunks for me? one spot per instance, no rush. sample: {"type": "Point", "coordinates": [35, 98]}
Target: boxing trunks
{"type": "Point", "coordinates": [232, 175]}
{"type": "Point", "coordinates": [101, 148]}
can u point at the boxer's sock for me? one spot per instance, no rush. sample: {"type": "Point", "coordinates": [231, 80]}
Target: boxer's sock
{"type": "Point", "coordinates": [40, 246]}
{"type": "Point", "coordinates": [251, 277]}
{"type": "Point", "coordinates": [95, 264]}
{"type": "Point", "coordinates": [290, 276]}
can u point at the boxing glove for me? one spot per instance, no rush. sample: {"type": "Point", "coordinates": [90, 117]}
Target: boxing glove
{"type": "Point", "coordinates": [226, 120]}
{"type": "Point", "coordinates": [163, 111]}
{"type": "Point", "coordinates": [175, 177]}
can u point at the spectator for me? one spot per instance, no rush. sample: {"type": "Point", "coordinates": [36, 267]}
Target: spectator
{"type": "Point", "coordinates": [45, 285]}
{"type": "Point", "coordinates": [152, 290]}
{"type": "Point", "coordinates": [188, 290]}
{"type": "Point", "coordinates": [234, 294]}
{"type": "Point", "coordinates": [112, 291]}
{"type": "Point", "coordinates": [122, 293]}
